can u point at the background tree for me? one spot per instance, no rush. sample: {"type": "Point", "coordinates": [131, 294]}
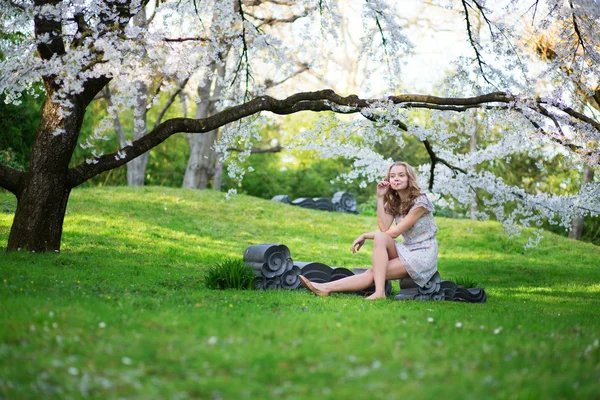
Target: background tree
{"type": "Point", "coordinates": [545, 47]}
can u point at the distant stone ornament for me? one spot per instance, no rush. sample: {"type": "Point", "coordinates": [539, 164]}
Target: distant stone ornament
{"type": "Point", "coordinates": [345, 202]}
{"type": "Point", "coordinates": [437, 289]}
{"type": "Point", "coordinates": [305, 202]}
{"type": "Point", "coordinates": [341, 202]}
{"type": "Point", "coordinates": [282, 198]}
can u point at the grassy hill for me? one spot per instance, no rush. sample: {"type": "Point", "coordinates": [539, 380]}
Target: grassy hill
{"type": "Point", "coordinates": [122, 312]}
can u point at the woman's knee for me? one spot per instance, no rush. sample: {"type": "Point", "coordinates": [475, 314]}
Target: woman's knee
{"type": "Point", "coordinates": [381, 238]}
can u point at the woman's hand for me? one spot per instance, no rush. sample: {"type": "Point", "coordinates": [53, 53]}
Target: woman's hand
{"type": "Point", "coordinates": [358, 243]}
{"type": "Point", "coordinates": [382, 188]}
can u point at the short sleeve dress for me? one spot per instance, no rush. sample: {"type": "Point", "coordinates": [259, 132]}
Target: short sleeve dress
{"type": "Point", "coordinates": [418, 250]}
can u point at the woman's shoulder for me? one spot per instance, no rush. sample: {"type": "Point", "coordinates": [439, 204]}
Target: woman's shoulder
{"type": "Point", "coordinates": [423, 201]}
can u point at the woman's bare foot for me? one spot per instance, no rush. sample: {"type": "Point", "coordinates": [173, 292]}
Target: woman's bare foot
{"type": "Point", "coordinates": [316, 288]}
{"type": "Point", "coordinates": [376, 296]}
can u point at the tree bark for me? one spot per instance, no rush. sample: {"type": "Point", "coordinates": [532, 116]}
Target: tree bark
{"type": "Point", "coordinates": [44, 190]}
{"type": "Point", "coordinates": [201, 164]}
{"type": "Point", "coordinates": [577, 224]}
{"type": "Point", "coordinates": [200, 167]}
{"type": "Point", "coordinates": [218, 176]}
{"type": "Point", "coordinates": [472, 149]}
{"type": "Point", "coordinates": [136, 168]}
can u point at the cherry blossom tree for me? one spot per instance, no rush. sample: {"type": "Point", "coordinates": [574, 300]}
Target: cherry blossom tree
{"type": "Point", "coordinates": [266, 15]}
{"type": "Point", "coordinates": [77, 47]}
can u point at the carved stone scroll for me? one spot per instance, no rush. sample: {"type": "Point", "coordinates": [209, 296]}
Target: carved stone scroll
{"type": "Point", "coordinates": [439, 290]}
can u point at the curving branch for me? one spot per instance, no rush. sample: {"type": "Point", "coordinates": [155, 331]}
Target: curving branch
{"type": "Point", "coordinates": [571, 146]}
{"type": "Point", "coordinates": [54, 46]}
{"type": "Point", "coordinates": [10, 179]}
{"type": "Point", "coordinates": [243, 60]}
{"type": "Point", "coordinates": [171, 100]}
{"type": "Point", "coordinates": [580, 41]}
{"type": "Point", "coordinates": [472, 40]}
{"type": "Point", "coordinates": [324, 100]}
{"type": "Point", "coordinates": [302, 67]}
{"type": "Point", "coordinates": [187, 39]}
{"type": "Point", "coordinates": [270, 21]}
{"type": "Point", "coordinates": [534, 6]}
{"type": "Point", "coordinates": [258, 150]}
{"type": "Point", "coordinates": [435, 160]}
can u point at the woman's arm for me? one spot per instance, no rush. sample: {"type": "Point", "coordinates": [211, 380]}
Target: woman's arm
{"type": "Point", "coordinates": [404, 225]}
{"type": "Point", "coordinates": [384, 220]}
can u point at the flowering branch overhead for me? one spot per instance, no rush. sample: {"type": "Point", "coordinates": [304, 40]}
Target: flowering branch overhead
{"type": "Point", "coordinates": [324, 100]}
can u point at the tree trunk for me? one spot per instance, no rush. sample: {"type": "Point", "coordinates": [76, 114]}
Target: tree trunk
{"type": "Point", "coordinates": [577, 224]}
{"type": "Point", "coordinates": [200, 167]}
{"type": "Point", "coordinates": [473, 148]}
{"type": "Point", "coordinates": [44, 191]}
{"type": "Point", "coordinates": [201, 164]}
{"type": "Point", "coordinates": [218, 177]}
{"type": "Point", "coordinates": [41, 207]}
{"type": "Point", "coordinates": [136, 168]}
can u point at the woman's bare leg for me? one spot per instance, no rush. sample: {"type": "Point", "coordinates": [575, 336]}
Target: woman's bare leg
{"type": "Point", "coordinates": [384, 251]}
{"type": "Point", "coordinates": [354, 283]}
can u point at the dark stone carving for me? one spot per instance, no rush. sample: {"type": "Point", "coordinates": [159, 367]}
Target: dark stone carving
{"type": "Point", "coordinates": [305, 202]}
{"type": "Point", "coordinates": [314, 271]}
{"type": "Point", "coordinates": [321, 203]}
{"type": "Point", "coordinates": [344, 201]}
{"type": "Point", "coordinates": [259, 282]}
{"type": "Point", "coordinates": [289, 279]}
{"type": "Point", "coordinates": [282, 198]}
{"type": "Point", "coordinates": [273, 266]}
{"type": "Point", "coordinates": [341, 201]}
{"type": "Point", "coordinates": [439, 290]}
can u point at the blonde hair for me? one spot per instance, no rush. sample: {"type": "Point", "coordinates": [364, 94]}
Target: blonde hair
{"type": "Point", "coordinates": [392, 202]}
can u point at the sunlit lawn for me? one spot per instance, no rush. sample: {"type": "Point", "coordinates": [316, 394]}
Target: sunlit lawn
{"type": "Point", "coordinates": [122, 312]}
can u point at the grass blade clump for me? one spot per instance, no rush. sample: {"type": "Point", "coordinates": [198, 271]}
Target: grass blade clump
{"type": "Point", "coordinates": [231, 273]}
{"type": "Point", "coordinates": [466, 282]}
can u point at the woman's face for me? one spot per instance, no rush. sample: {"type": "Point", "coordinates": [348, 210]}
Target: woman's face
{"type": "Point", "coordinates": [398, 177]}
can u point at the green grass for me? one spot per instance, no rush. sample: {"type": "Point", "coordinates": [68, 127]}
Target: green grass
{"type": "Point", "coordinates": [122, 311]}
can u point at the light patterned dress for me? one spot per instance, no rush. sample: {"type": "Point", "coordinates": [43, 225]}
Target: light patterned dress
{"type": "Point", "coordinates": [419, 249]}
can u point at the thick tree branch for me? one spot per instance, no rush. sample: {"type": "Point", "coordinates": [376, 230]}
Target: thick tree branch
{"type": "Point", "coordinates": [54, 45]}
{"type": "Point", "coordinates": [254, 3]}
{"type": "Point", "coordinates": [581, 117]}
{"type": "Point", "coordinates": [10, 179]}
{"type": "Point", "coordinates": [258, 150]}
{"type": "Point", "coordinates": [187, 39]}
{"type": "Point", "coordinates": [270, 21]}
{"type": "Point", "coordinates": [324, 100]}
